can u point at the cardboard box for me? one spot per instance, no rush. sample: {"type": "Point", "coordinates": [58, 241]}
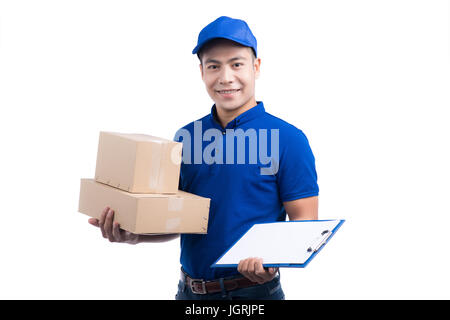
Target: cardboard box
{"type": "Point", "coordinates": [182, 212]}
{"type": "Point", "coordinates": [138, 163]}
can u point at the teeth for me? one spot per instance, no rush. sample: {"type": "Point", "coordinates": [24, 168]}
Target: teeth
{"type": "Point", "coordinates": [228, 91]}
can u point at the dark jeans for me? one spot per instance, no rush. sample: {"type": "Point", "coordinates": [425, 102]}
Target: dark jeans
{"type": "Point", "coordinates": [268, 291]}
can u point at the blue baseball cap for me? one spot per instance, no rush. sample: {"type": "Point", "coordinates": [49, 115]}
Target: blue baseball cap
{"type": "Point", "coordinates": [225, 27]}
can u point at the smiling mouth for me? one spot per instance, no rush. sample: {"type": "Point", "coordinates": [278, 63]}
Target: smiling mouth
{"type": "Point", "coordinates": [228, 91]}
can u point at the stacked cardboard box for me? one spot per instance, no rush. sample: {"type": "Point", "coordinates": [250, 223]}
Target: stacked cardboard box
{"type": "Point", "coordinates": [137, 176]}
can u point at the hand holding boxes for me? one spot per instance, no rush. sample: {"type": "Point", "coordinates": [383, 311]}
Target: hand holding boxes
{"type": "Point", "coordinates": [137, 175]}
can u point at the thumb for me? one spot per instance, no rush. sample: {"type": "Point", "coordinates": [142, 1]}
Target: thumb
{"type": "Point", "coordinates": [272, 270]}
{"type": "Point", "coordinates": [94, 222]}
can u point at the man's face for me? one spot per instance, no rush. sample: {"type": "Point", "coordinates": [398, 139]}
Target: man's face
{"type": "Point", "coordinates": [229, 75]}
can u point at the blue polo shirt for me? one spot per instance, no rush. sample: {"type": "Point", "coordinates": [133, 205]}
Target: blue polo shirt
{"type": "Point", "coordinates": [270, 162]}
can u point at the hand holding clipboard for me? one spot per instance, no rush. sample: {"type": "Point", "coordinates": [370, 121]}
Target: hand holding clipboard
{"type": "Point", "coordinates": [281, 244]}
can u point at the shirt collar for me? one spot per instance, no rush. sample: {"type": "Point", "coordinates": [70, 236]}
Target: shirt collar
{"type": "Point", "coordinates": [244, 117]}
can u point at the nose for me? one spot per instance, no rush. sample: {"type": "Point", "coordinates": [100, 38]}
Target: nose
{"type": "Point", "coordinates": [226, 76]}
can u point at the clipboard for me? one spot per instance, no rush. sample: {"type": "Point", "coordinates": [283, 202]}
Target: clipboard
{"type": "Point", "coordinates": [291, 244]}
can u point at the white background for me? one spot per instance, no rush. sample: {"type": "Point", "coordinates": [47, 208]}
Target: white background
{"type": "Point", "coordinates": [367, 81]}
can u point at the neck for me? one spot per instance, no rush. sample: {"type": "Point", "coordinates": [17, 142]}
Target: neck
{"type": "Point", "coordinates": [225, 116]}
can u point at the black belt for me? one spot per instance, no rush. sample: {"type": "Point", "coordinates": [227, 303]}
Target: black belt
{"type": "Point", "coordinates": [199, 286]}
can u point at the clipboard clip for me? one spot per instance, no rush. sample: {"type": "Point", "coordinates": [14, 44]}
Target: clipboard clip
{"type": "Point", "coordinates": [320, 241]}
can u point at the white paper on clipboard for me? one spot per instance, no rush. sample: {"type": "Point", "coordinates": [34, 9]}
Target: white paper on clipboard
{"type": "Point", "coordinates": [287, 243]}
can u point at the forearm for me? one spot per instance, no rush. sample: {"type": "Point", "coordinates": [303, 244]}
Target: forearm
{"type": "Point", "coordinates": [155, 238]}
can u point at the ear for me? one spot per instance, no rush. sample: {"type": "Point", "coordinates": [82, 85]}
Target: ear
{"type": "Point", "coordinates": [201, 70]}
{"type": "Point", "coordinates": [257, 66]}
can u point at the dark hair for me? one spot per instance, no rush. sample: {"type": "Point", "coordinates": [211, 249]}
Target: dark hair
{"type": "Point", "coordinates": [213, 42]}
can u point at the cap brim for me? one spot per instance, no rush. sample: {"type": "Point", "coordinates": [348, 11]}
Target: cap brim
{"type": "Point", "coordinates": [200, 45]}
{"type": "Point", "coordinates": [196, 49]}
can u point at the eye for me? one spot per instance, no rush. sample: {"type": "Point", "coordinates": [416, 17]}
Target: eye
{"type": "Point", "coordinates": [237, 64]}
{"type": "Point", "coordinates": [212, 66]}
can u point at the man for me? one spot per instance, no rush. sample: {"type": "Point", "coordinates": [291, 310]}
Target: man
{"type": "Point", "coordinates": [245, 184]}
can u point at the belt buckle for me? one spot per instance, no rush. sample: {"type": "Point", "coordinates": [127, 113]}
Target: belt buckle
{"type": "Point", "coordinates": [192, 283]}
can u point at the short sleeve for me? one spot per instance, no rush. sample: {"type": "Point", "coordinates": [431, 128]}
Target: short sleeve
{"type": "Point", "coordinates": [177, 138]}
{"type": "Point", "coordinates": [297, 177]}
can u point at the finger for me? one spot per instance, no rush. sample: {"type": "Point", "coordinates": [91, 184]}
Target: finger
{"type": "Point", "coordinates": [240, 266]}
{"type": "Point", "coordinates": [249, 270]}
{"type": "Point", "coordinates": [116, 232]}
{"type": "Point", "coordinates": [104, 213]}
{"type": "Point", "coordinates": [260, 274]}
{"type": "Point", "coordinates": [272, 271]}
{"type": "Point", "coordinates": [94, 222]}
{"type": "Point", "coordinates": [243, 267]}
{"type": "Point", "coordinates": [108, 225]}
{"type": "Point", "coordinates": [259, 269]}
{"type": "Point", "coordinates": [251, 265]}
{"type": "Point", "coordinates": [101, 222]}
{"type": "Point", "coordinates": [256, 266]}
{"type": "Point", "coordinates": [132, 237]}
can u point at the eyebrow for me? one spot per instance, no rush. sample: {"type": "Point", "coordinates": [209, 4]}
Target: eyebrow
{"type": "Point", "coordinates": [231, 60]}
